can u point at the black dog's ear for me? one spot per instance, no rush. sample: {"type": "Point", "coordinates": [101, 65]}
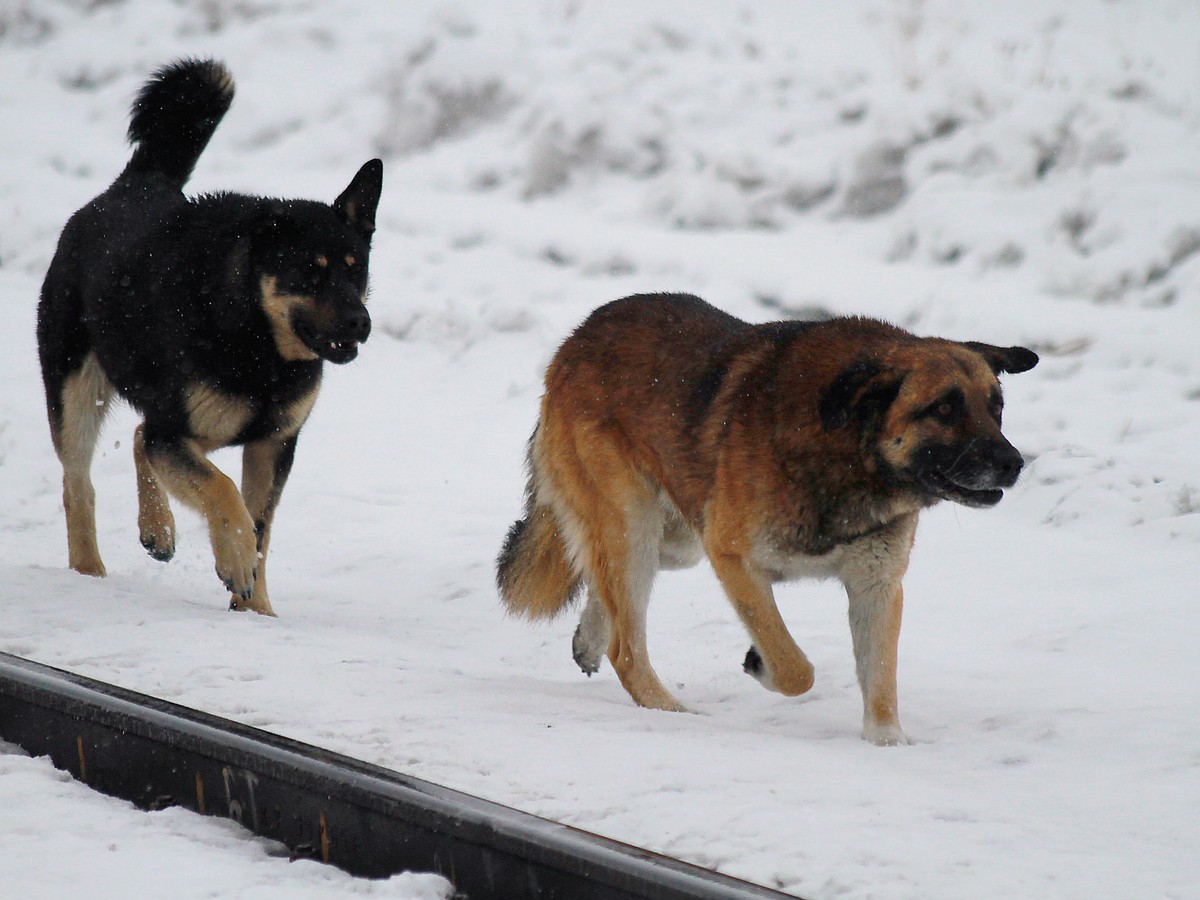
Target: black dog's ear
{"type": "Point", "coordinates": [1005, 359]}
{"type": "Point", "coordinates": [860, 391]}
{"type": "Point", "coordinates": [359, 200]}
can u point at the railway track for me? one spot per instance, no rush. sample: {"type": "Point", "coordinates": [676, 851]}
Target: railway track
{"type": "Point", "coordinates": [362, 818]}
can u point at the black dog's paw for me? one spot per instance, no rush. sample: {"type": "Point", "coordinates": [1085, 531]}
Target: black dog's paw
{"type": "Point", "coordinates": [753, 664]}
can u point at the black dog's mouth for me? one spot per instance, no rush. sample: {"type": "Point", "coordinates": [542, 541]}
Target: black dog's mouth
{"type": "Point", "coordinates": [941, 485]}
{"type": "Point", "coordinates": [334, 350]}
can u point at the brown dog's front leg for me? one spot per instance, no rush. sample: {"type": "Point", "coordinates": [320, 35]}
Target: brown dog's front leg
{"type": "Point", "coordinates": [775, 660]}
{"type": "Point", "coordinates": [875, 629]}
{"type": "Point", "coordinates": [872, 579]}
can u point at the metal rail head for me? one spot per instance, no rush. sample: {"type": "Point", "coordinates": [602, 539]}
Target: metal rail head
{"type": "Point", "coordinates": [362, 818]}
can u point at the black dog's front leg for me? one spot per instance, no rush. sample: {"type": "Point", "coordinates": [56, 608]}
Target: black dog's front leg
{"type": "Point", "coordinates": [265, 468]}
{"type": "Point", "coordinates": [182, 468]}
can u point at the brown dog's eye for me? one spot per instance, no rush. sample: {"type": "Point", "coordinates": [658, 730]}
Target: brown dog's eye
{"type": "Point", "coordinates": [948, 408]}
{"type": "Point", "coordinates": [996, 405]}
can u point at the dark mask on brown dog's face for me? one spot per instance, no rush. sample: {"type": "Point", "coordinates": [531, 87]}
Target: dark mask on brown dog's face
{"type": "Point", "coordinates": [929, 417]}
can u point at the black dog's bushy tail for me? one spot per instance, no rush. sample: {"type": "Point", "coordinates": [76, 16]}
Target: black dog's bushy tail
{"type": "Point", "coordinates": [174, 115]}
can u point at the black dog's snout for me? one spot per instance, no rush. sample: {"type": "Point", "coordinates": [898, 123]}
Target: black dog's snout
{"type": "Point", "coordinates": [356, 324]}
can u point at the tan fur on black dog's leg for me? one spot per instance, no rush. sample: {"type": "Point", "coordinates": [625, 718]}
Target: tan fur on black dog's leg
{"type": "Point", "coordinates": [196, 482]}
{"type": "Point", "coordinates": [85, 401]}
{"type": "Point", "coordinates": [264, 471]}
{"type": "Point", "coordinates": [156, 522]}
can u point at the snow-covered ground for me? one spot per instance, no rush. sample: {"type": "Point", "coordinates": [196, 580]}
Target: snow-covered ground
{"type": "Point", "coordinates": [1025, 172]}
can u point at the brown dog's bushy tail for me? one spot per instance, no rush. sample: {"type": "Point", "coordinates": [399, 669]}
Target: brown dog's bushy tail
{"type": "Point", "coordinates": [534, 572]}
{"type": "Point", "coordinates": [175, 115]}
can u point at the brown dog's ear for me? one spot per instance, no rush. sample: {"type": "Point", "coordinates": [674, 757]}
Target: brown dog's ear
{"type": "Point", "coordinates": [1005, 359]}
{"type": "Point", "coordinates": [357, 203]}
{"type": "Point", "coordinates": [861, 392]}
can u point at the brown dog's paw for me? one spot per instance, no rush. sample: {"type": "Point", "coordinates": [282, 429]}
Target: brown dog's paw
{"type": "Point", "coordinates": [160, 545]}
{"type": "Point", "coordinates": [798, 680]}
{"type": "Point", "coordinates": [753, 663]}
{"type": "Point", "coordinates": [884, 735]}
{"type": "Point", "coordinates": [93, 567]}
{"type": "Point", "coordinates": [586, 652]}
{"type": "Point", "coordinates": [254, 603]}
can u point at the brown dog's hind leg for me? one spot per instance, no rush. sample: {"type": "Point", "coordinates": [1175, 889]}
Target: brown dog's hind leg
{"type": "Point", "coordinates": [156, 523]}
{"type": "Point", "coordinates": [592, 636]}
{"type": "Point", "coordinates": [85, 396]}
{"type": "Point", "coordinates": [617, 541]}
{"type": "Point", "coordinates": [624, 562]}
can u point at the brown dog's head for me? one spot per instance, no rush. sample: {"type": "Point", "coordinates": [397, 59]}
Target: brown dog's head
{"type": "Point", "coordinates": [928, 417]}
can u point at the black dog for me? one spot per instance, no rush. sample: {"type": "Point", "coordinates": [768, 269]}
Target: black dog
{"type": "Point", "coordinates": [211, 316]}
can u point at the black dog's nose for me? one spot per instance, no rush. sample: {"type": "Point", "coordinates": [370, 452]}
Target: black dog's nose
{"type": "Point", "coordinates": [356, 324]}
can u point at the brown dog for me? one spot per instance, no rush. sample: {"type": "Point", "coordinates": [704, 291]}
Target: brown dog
{"type": "Point", "coordinates": [782, 450]}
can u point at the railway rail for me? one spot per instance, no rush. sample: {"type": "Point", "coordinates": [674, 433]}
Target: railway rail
{"type": "Point", "coordinates": [362, 818]}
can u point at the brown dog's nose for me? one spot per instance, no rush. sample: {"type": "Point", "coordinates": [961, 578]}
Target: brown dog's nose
{"type": "Point", "coordinates": [1008, 463]}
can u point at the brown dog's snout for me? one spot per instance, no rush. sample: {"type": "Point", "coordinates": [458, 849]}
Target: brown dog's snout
{"type": "Point", "coordinates": [1003, 462]}
{"type": "Point", "coordinates": [1008, 463]}
{"type": "Point", "coordinates": [982, 465]}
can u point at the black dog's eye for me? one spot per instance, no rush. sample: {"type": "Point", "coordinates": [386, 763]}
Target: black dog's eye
{"type": "Point", "coordinates": [319, 271]}
{"type": "Point", "coordinates": [996, 406]}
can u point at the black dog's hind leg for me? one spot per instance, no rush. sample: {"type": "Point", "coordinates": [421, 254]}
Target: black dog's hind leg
{"type": "Point", "coordinates": [181, 467]}
{"type": "Point", "coordinates": [265, 468]}
{"type": "Point", "coordinates": [76, 416]}
{"type": "Point", "coordinates": [77, 400]}
{"type": "Point", "coordinates": [156, 523]}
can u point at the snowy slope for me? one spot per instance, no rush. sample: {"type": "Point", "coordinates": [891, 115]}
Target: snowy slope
{"type": "Point", "coordinates": [1022, 173]}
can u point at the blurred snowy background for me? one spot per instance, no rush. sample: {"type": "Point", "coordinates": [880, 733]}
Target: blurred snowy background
{"type": "Point", "coordinates": [1026, 172]}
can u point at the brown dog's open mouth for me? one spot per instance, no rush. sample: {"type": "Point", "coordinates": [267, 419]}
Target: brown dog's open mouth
{"type": "Point", "coordinates": [940, 484]}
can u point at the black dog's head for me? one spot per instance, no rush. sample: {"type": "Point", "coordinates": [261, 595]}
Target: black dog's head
{"type": "Point", "coordinates": [311, 263]}
{"type": "Point", "coordinates": [929, 414]}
